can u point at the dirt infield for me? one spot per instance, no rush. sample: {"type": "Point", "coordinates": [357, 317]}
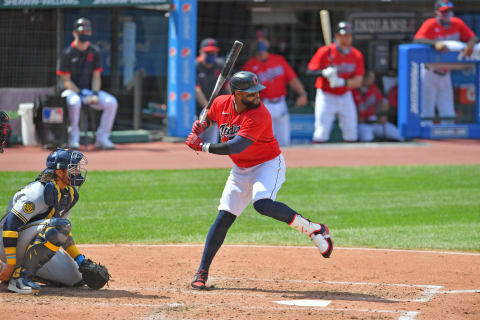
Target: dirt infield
{"type": "Point", "coordinates": [263, 282]}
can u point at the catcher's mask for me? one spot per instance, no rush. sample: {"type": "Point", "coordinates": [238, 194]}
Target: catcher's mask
{"type": "Point", "coordinates": [4, 129]}
{"type": "Point", "coordinates": [74, 161]}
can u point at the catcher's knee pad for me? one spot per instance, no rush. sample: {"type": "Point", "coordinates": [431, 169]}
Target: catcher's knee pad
{"type": "Point", "coordinates": [57, 231]}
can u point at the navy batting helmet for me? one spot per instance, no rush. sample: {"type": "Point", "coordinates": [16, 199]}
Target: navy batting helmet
{"type": "Point", "coordinates": [245, 81]}
{"type": "Point", "coordinates": [344, 27]}
{"type": "Point", "coordinates": [4, 129]}
{"type": "Point", "coordinates": [73, 161]}
{"type": "Point", "coordinates": [82, 24]}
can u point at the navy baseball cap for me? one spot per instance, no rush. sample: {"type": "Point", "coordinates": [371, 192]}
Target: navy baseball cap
{"type": "Point", "coordinates": [443, 5]}
{"type": "Point", "coordinates": [209, 45]}
{"type": "Point", "coordinates": [343, 27]}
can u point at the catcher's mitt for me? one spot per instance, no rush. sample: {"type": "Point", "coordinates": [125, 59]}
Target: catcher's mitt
{"type": "Point", "coordinates": [94, 275]}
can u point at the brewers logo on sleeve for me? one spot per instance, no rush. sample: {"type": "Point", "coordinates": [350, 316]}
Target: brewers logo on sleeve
{"type": "Point", "coordinates": [28, 207]}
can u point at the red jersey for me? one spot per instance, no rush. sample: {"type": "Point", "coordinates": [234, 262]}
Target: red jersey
{"type": "Point", "coordinates": [432, 29]}
{"type": "Point", "coordinates": [253, 124]}
{"type": "Point", "coordinates": [274, 73]}
{"type": "Point", "coordinates": [367, 102]}
{"type": "Point", "coordinates": [348, 66]}
{"type": "Point", "coordinates": [393, 96]}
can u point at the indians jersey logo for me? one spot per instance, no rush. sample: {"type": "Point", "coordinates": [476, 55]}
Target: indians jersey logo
{"type": "Point", "coordinates": [229, 132]}
{"type": "Point", "coordinates": [90, 57]}
{"type": "Point", "coordinates": [28, 207]}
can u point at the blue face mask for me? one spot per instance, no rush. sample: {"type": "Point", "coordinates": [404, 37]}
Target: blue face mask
{"type": "Point", "coordinates": [84, 37]}
{"type": "Point", "coordinates": [210, 58]}
{"type": "Point", "coordinates": [262, 46]}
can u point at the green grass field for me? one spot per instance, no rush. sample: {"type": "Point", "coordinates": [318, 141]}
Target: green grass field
{"type": "Point", "coordinates": [418, 207]}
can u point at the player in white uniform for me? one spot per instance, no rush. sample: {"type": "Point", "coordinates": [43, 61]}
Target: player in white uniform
{"type": "Point", "coordinates": [340, 69]}
{"type": "Point", "coordinates": [444, 32]}
{"type": "Point", "coordinates": [37, 224]}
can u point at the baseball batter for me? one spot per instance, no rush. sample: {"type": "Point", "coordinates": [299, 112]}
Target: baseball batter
{"type": "Point", "coordinates": [259, 168]}
{"type": "Point", "coordinates": [340, 68]}
{"type": "Point", "coordinates": [37, 224]}
{"type": "Point", "coordinates": [79, 70]}
{"type": "Point", "coordinates": [275, 73]}
{"type": "Point", "coordinates": [444, 32]}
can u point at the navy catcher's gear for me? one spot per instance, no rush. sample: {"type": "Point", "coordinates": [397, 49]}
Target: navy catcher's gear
{"type": "Point", "coordinates": [73, 161]}
{"type": "Point", "coordinates": [245, 81]}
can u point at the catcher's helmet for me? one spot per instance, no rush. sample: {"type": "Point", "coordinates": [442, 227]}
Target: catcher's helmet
{"type": "Point", "coordinates": [4, 130]}
{"type": "Point", "coordinates": [344, 27]}
{"type": "Point", "coordinates": [82, 24]}
{"type": "Point", "coordinates": [245, 81]}
{"type": "Point", "coordinates": [73, 161]}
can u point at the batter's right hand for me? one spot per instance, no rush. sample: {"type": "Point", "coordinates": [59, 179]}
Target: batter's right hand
{"type": "Point", "coordinates": [6, 272]}
{"type": "Point", "coordinates": [198, 127]}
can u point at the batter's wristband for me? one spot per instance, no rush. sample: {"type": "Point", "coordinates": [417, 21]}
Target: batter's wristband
{"type": "Point", "coordinates": [205, 147]}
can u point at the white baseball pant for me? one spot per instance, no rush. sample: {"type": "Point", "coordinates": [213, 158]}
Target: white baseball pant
{"type": "Point", "coordinates": [61, 268]}
{"type": "Point", "coordinates": [437, 91]}
{"type": "Point", "coordinates": [327, 107]}
{"type": "Point", "coordinates": [369, 131]}
{"type": "Point", "coordinates": [106, 102]}
{"type": "Point", "coordinates": [280, 120]}
{"type": "Point", "coordinates": [251, 184]}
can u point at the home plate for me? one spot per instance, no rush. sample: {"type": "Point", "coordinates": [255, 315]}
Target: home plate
{"type": "Point", "coordinates": [305, 303]}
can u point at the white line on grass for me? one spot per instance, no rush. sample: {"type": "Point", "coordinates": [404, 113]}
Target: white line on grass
{"type": "Point", "coordinates": [281, 247]}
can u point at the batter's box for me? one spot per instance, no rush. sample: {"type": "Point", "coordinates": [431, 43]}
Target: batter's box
{"type": "Point", "coordinates": [329, 290]}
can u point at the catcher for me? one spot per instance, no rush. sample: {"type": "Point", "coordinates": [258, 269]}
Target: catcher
{"type": "Point", "coordinates": [37, 224]}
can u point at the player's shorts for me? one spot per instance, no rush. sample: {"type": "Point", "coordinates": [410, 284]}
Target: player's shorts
{"type": "Point", "coordinates": [251, 184]}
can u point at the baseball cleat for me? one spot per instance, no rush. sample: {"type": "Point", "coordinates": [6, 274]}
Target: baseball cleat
{"type": "Point", "coordinates": [199, 280]}
{"type": "Point", "coordinates": [23, 286]}
{"type": "Point", "coordinates": [323, 241]}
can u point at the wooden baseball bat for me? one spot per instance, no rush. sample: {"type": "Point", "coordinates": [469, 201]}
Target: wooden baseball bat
{"type": "Point", "coordinates": [326, 27]}
{"type": "Point", "coordinates": [226, 70]}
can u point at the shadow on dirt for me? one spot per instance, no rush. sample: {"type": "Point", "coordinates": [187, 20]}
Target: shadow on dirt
{"type": "Point", "coordinates": [324, 295]}
{"type": "Point", "coordinates": [85, 292]}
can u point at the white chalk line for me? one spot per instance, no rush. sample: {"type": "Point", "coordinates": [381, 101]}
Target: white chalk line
{"type": "Point", "coordinates": [271, 246]}
{"type": "Point", "coordinates": [459, 291]}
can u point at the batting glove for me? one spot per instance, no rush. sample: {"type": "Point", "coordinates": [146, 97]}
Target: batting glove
{"type": "Point", "coordinates": [329, 72]}
{"type": "Point", "coordinates": [197, 144]}
{"type": "Point", "coordinates": [336, 82]}
{"type": "Point", "coordinates": [198, 127]}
